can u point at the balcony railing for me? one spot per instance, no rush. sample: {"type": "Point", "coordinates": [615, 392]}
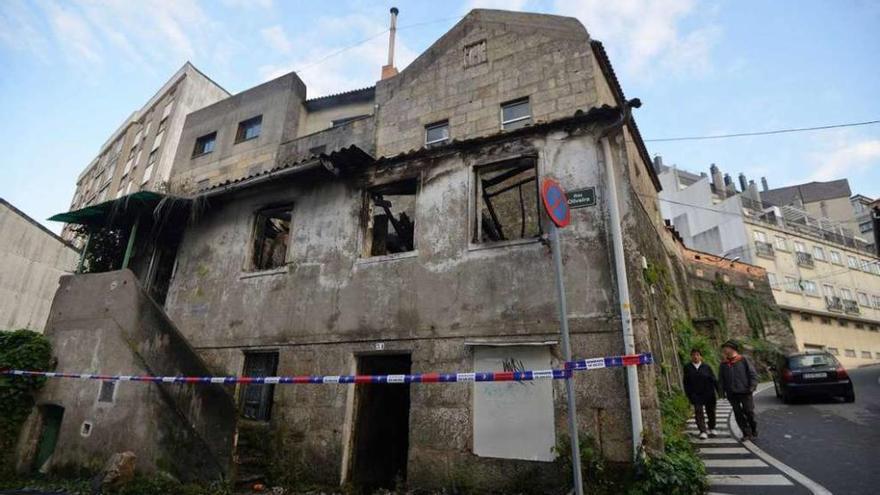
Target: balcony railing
{"type": "Point", "coordinates": [833, 303]}
{"type": "Point", "coordinates": [764, 249]}
{"type": "Point", "coordinates": [805, 259]}
{"type": "Point", "coordinates": [851, 306]}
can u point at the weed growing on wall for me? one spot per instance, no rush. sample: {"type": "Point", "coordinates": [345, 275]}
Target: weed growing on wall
{"type": "Point", "coordinates": [19, 349]}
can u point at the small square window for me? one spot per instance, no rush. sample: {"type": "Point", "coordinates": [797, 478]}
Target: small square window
{"type": "Point", "coordinates": [849, 352]}
{"type": "Point", "coordinates": [833, 351]}
{"type": "Point", "coordinates": [390, 218]}
{"type": "Point", "coordinates": [437, 133]}
{"type": "Point", "coordinates": [516, 114]}
{"type": "Point", "coordinates": [806, 317]}
{"type": "Point", "coordinates": [866, 355]}
{"type": "Point", "coordinates": [107, 391]}
{"type": "Point", "coordinates": [843, 323]}
{"type": "Point", "coordinates": [826, 321]}
{"type": "Point", "coordinates": [205, 144]}
{"type": "Point", "coordinates": [249, 129]}
{"type": "Point", "coordinates": [507, 202]}
{"type": "Point", "coordinates": [271, 238]}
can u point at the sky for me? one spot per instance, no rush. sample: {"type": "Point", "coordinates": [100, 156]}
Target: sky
{"type": "Point", "coordinates": [72, 71]}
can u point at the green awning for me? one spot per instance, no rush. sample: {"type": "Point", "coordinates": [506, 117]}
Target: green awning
{"type": "Point", "coordinates": [122, 209]}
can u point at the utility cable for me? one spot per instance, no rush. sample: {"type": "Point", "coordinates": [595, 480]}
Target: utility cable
{"type": "Point", "coordinates": [763, 133]}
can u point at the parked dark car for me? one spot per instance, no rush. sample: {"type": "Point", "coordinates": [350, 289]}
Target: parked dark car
{"type": "Point", "coordinates": [814, 374]}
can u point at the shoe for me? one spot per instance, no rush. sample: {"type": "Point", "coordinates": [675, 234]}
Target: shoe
{"type": "Point", "coordinates": [703, 435]}
{"type": "Point", "coordinates": [713, 433]}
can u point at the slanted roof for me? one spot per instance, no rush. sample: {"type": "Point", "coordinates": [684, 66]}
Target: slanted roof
{"type": "Point", "coordinates": [121, 210]}
{"type": "Point", "coordinates": [808, 193]}
{"type": "Point", "coordinates": [344, 98]}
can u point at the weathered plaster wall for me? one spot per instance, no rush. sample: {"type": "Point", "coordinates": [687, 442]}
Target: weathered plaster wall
{"type": "Point", "coordinates": [31, 261]}
{"type": "Point", "coordinates": [105, 324]}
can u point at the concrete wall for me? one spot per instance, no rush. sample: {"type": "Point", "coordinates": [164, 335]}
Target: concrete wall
{"type": "Point", "coordinates": [278, 101]}
{"type": "Point", "coordinates": [321, 120]}
{"type": "Point", "coordinates": [105, 324]}
{"type": "Point", "coordinates": [31, 260]}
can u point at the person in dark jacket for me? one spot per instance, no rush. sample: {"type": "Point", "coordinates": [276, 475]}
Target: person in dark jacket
{"type": "Point", "coordinates": [738, 379]}
{"type": "Point", "coordinates": [700, 387]}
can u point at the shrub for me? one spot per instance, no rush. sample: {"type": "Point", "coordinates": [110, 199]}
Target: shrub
{"type": "Point", "coordinates": [19, 349]}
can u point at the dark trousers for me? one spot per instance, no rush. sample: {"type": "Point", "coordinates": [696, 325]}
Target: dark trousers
{"type": "Point", "coordinates": [700, 416]}
{"type": "Point", "coordinates": [744, 411]}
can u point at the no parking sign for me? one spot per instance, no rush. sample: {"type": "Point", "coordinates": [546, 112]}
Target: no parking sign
{"type": "Point", "coordinates": [555, 202]}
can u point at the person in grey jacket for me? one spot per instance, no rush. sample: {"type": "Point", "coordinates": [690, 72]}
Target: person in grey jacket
{"type": "Point", "coordinates": [738, 380]}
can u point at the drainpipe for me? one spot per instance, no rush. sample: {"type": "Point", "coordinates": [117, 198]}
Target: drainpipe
{"type": "Point", "coordinates": [129, 248]}
{"type": "Point", "coordinates": [629, 344]}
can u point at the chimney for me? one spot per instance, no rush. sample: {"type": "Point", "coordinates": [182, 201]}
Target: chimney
{"type": "Point", "coordinates": [717, 180]}
{"type": "Point", "coordinates": [658, 164]}
{"type": "Point", "coordinates": [743, 185]}
{"type": "Point", "coordinates": [764, 184]}
{"type": "Point", "coordinates": [390, 70]}
{"type": "Point", "coordinates": [753, 192]}
{"type": "Point", "coordinates": [728, 184]}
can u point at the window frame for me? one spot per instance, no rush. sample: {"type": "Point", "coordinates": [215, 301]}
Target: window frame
{"type": "Point", "coordinates": [510, 104]}
{"type": "Point", "coordinates": [780, 239]}
{"type": "Point", "coordinates": [366, 241]}
{"type": "Point", "coordinates": [819, 253]}
{"type": "Point", "coordinates": [197, 152]}
{"type": "Point", "coordinates": [475, 220]}
{"type": "Point", "coordinates": [243, 126]}
{"type": "Point", "coordinates": [437, 125]}
{"type": "Point", "coordinates": [250, 265]}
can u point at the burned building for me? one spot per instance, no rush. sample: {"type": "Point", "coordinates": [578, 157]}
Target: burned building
{"type": "Point", "coordinates": [390, 229]}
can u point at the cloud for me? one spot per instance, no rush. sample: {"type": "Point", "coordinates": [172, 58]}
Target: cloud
{"type": "Point", "coordinates": [648, 34]}
{"type": "Point", "coordinates": [74, 34]}
{"type": "Point", "coordinates": [845, 159]}
{"type": "Point", "coordinates": [20, 29]}
{"type": "Point", "coordinates": [276, 38]}
{"type": "Point", "coordinates": [355, 61]}
{"type": "Point", "coordinates": [496, 4]}
{"type": "Point", "coordinates": [265, 4]}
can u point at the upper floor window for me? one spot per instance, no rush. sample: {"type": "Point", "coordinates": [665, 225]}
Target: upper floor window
{"type": "Point", "coordinates": [205, 144]}
{"type": "Point", "coordinates": [852, 262]}
{"type": "Point", "coordinates": [507, 201]}
{"type": "Point", "coordinates": [249, 129]}
{"type": "Point", "coordinates": [515, 114]}
{"type": "Point", "coordinates": [863, 299]}
{"type": "Point", "coordinates": [792, 285]}
{"type": "Point", "coordinates": [818, 253]}
{"type": "Point", "coordinates": [828, 290]}
{"type": "Point", "coordinates": [876, 300]}
{"type": "Point", "coordinates": [437, 133]}
{"type": "Point", "coordinates": [271, 238]}
{"type": "Point", "coordinates": [781, 244]}
{"type": "Point", "coordinates": [800, 247]}
{"type": "Point", "coordinates": [846, 294]}
{"type": "Point", "coordinates": [809, 287]}
{"type": "Point", "coordinates": [390, 218]}
{"type": "Point", "coordinates": [835, 258]}
{"type": "Point", "coordinates": [760, 236]}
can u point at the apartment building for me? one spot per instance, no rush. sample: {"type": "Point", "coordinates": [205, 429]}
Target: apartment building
{"type": "Point", "coordinates": [138, 156]}
{"type": "Point", "coordinates": [822, 274]}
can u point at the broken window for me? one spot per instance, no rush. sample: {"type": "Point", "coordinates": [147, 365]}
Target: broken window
{"type": "Point", "coordinates": [256, 398]}
{"type": "Point", "coordinates": [507, 202]}
{"type": "Point", "coordinates": [390, 217]}
{"type": "Point", "coordinates": [271, 237]}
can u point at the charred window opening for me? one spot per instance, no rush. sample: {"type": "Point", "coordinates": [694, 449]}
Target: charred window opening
{"type": "Point", "coordinates": [390, 216]}
{"type": "Point", "coordinates": [271, 238]}
{"type": "Point", "coordinates": [507, 202]}
{"type": "Point", "coordinates": [256, 399]}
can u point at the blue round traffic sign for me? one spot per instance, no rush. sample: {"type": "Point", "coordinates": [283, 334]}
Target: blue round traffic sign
{"type": "Point", "coordinates": [555, 202]}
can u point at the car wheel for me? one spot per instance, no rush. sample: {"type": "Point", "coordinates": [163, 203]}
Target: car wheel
{"type": "Point", "coordinates": [850, 396]}
{"type": "Point", "coordinates": [786, 398]}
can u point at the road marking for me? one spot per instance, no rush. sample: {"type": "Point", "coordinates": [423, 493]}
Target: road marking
{"type": "Point", "coordinates": [713, 440]}
{"type": "Point", "coordinates": [734, 463]}
{"type": "Point", "coordinates": [811, 485]}
{"type": "Point", "coordinates": [749, 479]}
{"type": "Point", "coordinates": [723, 450]}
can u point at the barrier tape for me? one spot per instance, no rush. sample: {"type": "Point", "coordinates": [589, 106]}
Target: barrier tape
{"type": "Point", "coordinates": [482, 376]}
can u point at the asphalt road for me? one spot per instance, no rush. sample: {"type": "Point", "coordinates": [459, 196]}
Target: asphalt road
{"type": "Point", "coordinates": [831, 442]}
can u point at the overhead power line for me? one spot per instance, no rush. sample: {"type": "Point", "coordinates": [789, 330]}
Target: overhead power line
{"type": "Point", "coordinates": [764, 133]}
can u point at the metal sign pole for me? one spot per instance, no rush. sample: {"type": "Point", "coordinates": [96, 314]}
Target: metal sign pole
{"type": "Point", "coordinates": [566, 350]}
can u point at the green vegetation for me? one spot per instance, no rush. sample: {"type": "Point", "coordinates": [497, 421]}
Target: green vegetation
{"type": "Point", "coordinates": [19, 349]}
{"type": "Point", "coordinates": [106, 248]}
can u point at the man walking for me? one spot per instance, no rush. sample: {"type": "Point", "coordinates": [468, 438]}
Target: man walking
{"type": "Point", "coordinates": [738, 380]}
{"type": "Point", "coordinates": [700, 387]}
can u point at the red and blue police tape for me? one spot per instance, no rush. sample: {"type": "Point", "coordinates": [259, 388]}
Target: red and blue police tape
{"type": "Point", "coordinates": [482, 376]}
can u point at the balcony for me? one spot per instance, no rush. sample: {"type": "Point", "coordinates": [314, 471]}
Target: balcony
{"type": "Point", "coordinates": [851, 306]}
{"type": "Point", "coordinates": [834, 303]}
{"type": "Point", "coordinates": [805, 259]}
{"type": "Point", "coordinates": [764, 249]}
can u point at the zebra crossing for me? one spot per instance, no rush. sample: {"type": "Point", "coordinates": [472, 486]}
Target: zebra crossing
{"type": "Point", "coordinates": [733, 468]}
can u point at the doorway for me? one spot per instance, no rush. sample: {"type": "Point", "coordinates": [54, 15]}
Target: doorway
{"type": "Point", "coordinates": [381, 434]}
{"type": "Point", "coordinates": [49, 429]}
